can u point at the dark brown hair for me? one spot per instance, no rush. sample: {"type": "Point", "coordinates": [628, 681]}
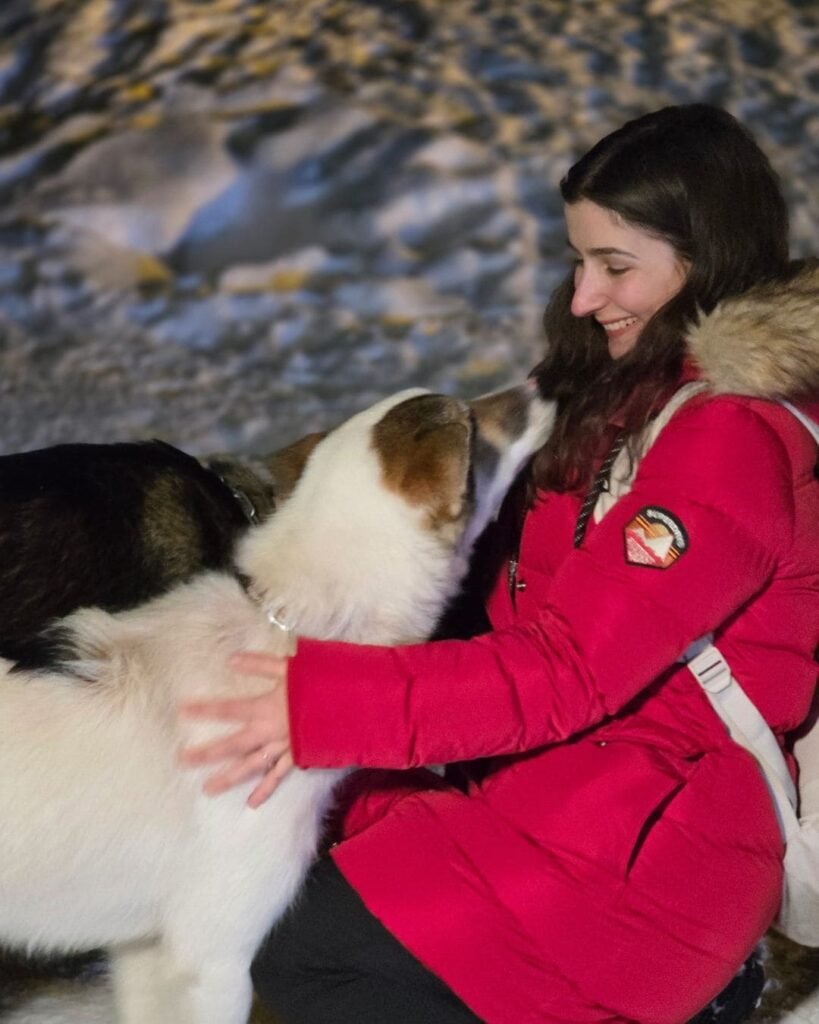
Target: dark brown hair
{"type": "Point", "coordinates": [693, 176]}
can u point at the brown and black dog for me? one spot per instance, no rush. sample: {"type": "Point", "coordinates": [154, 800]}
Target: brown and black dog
{"type": "Point", "coordinates": [114, 525]}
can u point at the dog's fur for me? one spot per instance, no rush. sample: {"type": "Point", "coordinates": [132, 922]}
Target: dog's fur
{"type": "Point", "coordinates": [105, 841]}
{"type": "Point", "coordinates": [114, 525]}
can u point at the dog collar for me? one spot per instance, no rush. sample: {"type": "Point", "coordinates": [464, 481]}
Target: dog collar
{"type": "Point", "coordinates": [249, 510]}
{"type": "Point", "coordinates": [275, 616]}
{"type": "Point", "coordinates": [275, 611]}
{"type": "Point", "coordinates": [244, 502]}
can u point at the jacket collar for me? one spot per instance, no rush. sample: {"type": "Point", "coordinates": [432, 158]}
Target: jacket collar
{"type": "Point", "coordinates": [765, 342]}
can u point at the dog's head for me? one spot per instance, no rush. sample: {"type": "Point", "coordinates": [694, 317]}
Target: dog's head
{"type": "Point", "coordinates": [387, 510]}
{"type": "Point", "coordinates": [455, 460]}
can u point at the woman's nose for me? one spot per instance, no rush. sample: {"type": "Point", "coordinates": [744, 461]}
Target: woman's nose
{"type": "Point", "coordinates": [588, 296]}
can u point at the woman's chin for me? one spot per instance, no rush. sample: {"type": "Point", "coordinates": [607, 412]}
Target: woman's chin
{"type": "Point", "coordinates": [620, 344]}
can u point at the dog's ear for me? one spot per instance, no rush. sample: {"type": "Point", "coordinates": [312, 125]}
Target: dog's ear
{"type": "Point", "coordinates": [287, 464]}
{"type": "Point", "coordinates": [423, 445]}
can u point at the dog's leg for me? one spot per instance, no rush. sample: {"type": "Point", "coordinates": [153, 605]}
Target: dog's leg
{"type": "Point", "coordinates": [219, 992]}
{"type": "Point", "coordinates": [137, 973]}
{"type": "Point", "coordinates": [248, 867]}
{"type": "Point", "coordinates": [206, 959]}
{"type": "Point", "coordinates": [213, 931]}
{"type": "Point", "coordinates": [156, 982]}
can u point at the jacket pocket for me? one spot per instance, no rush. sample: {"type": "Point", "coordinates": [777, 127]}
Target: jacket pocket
{"type": "Point", "coordinates": [591, 804]}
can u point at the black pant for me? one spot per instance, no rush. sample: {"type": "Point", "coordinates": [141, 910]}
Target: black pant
{"type": "Point", "coordinates": [329, 961]}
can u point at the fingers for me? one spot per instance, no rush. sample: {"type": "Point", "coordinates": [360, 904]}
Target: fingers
{"type": "Point", "coordinates": [271, 780]}
{"type": "Point", "coordinates": [260, 762]}
{"type": "Point", "coordinates": [273, 769]}
{"type": "Point", "coordinates": [260, 715]}
{"type": "Point", "coordinates": [256, 663]}
{"type": "Point", "coordinates": [237, 710]}
{"type": "Point", "coordinates": [260, 746]}
{"type": "Point", "coordinates": [236, 745]}
{"type": "Point", "coordinates": [241, 709]}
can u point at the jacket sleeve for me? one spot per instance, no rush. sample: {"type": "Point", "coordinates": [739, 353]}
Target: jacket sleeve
{"type": "Point", "coordinates": [610, 627]}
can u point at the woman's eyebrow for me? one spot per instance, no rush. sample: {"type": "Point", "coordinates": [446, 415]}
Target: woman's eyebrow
{"type": "Point", "coordinates": [604, 250]}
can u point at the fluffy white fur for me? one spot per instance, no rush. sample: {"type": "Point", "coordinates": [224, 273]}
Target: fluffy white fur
{"type": "Point", "coordinates": [105, 841]}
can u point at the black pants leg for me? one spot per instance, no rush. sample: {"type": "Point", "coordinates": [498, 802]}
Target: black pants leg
{"type": "Point", "coordinates": [739, 999]}
{"type": "Point", "coordinates": [329, 961]}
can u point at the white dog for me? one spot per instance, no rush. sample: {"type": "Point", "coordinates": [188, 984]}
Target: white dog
{"type": "Point", "coordinates": [104, 840]}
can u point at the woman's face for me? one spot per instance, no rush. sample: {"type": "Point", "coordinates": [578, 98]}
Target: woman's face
{"type": "Point", "coordinates": [623, 274]}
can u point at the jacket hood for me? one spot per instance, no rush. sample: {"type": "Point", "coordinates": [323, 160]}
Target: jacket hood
{"type": "Point", "coordinates": [765, 342]}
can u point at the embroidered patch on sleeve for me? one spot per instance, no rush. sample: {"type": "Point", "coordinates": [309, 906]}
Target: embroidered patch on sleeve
{"type": "Point", "coordinates": [655, 538]}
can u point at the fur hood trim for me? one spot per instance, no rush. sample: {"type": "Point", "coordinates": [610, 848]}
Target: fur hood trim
{"type": "Point", "coordinates": [765, 342]}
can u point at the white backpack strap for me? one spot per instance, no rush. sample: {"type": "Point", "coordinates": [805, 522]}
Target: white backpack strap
{"type": "Point", "coordinates": [806, 752]}
{"type": "Point", "coordinates": [806, 421]}
{"type": "Point", "coordinates": [806, 749]}
{"type": "Point", "coordinates": [625, 465]}
{"type": "Point", "coordinates": [746, 727]}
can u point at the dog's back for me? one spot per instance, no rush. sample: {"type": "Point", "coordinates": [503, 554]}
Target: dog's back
{"type": "Point", "coordinates": [115, 525]}
{"type": "Point", "coordinates": [105, 525]}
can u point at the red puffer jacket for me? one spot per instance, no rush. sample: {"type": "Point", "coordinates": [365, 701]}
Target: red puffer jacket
{"type": "Point", "coordinates": [620, 857]}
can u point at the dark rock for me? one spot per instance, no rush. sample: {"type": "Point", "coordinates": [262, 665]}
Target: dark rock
{"type": "Point", "coordinates": [491, 65]}
{"type": "Point", "coordinates": [17, 275]}
{"type": "Point", "coordinates": [45, 160]}
{"type": "Point", "coordinates": [436, 216]}
{"type": "Point", "coordinates": [130, 39]}
{"type": "Point", "coordinates": [760, 49]}
{"type": "Point", "coordinates": [22, 232]}
{"type": "Point", "coordinates": [513, 98]}
{"type": "Point", "coordinates": [15, 16]}
{"type": "Point", "coordinates": [23, 68]}
{"type": "Point", "coordinates": [412, 19]}
{"type": "Point", "coordinates": [602, 62]}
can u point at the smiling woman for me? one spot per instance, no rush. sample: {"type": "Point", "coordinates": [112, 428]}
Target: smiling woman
{"type": "Point", "coordinates": [604, 853]}
{"type": "Point", "coordinates": [695, 213]}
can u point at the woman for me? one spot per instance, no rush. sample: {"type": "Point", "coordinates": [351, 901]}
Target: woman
{"type": "Point", "coordinates": [612, 855]}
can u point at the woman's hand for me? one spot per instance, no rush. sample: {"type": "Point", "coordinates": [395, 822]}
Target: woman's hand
{"type": "Point", "coordinates": [261, 745]}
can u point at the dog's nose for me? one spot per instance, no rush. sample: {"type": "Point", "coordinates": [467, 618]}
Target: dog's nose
{"type": "Point", "coordinates": [505, 416]}
{"type": "Point", "coordinates": [504, 410]}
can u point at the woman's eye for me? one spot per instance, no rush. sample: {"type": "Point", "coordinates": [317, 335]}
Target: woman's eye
{"type": "Point", "coordinates": [616, 271]}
